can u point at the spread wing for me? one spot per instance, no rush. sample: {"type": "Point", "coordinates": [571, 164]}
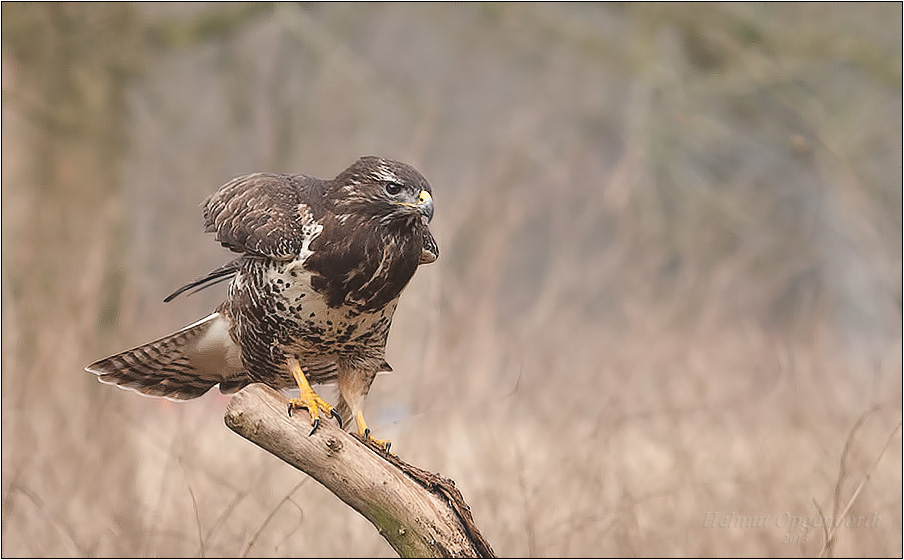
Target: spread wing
{"type": "Point", "coordinates": [264, 214]}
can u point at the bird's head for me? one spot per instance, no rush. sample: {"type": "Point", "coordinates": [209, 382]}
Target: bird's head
{"type": "Point", "coordinates": [386, 190]}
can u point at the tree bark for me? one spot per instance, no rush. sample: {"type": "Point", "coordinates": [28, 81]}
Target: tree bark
{"type": "Point", "coordinates": [420, 514]}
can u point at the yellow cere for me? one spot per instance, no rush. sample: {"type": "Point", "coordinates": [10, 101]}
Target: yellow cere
{"type": "Point", "coordinates": [421, 199]}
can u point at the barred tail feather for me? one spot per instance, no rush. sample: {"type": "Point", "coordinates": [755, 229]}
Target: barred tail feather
{"type": "Point", "coordinates": [181, 366]}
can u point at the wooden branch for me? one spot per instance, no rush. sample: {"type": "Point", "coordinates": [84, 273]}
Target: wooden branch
{"type": "Point", "coordinates": [420, 514]}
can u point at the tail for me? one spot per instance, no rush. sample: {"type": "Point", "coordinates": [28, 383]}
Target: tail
{"type": "Point", "coordinates": [181, 366]}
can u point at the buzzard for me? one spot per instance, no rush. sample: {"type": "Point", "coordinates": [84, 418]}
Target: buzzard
{"type": "Point", "coordinates": [320, 268]}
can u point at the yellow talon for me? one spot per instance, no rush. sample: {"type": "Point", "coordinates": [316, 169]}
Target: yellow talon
{"type": "Point", "coordinates": [364, 432]}
{"type": "Point", "coordinates": [308, 400]}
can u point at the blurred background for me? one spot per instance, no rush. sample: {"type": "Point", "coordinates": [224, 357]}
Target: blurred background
{"type": "Point", "coordinates": [670, 280]}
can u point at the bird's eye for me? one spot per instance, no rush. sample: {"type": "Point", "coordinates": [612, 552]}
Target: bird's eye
{"type": "Point", "coordinates": [393, 188]}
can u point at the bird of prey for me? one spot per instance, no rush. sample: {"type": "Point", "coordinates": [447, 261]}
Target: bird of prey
{"type": "Point", "coordinates": [320, 268]}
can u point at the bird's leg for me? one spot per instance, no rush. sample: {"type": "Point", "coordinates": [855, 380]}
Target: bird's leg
{"type": "Point", "coordinates": [308, 399]}
{"type": "Point", "coordinates": [353, 387]}
{"type": "Point", "coordinates": [364, 432]}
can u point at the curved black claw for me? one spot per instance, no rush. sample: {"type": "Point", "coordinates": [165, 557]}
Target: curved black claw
{"type": "Point", "coordinates": [369, 439]}
{"type": "Point", "coordinates": [290, 410]}
{"type": "Point", "coordinates": [337, 417]}
{"type": "Point", "coordinates": [315, 426]}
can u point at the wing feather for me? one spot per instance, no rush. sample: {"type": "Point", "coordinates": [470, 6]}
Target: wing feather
{"type": "Point", "coordinates": [430, 250]}
{"type": "Point", "coordinates": [263, 214]}
{"type": "Point", "coordinates": [212, 278]}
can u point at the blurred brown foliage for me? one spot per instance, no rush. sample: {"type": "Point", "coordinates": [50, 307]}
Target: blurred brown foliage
{"type": "Point", "coordinates": [670, 278]}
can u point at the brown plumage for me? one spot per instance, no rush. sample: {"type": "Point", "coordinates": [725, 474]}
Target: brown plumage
{"type": "Point", "coordinates": [320, 269]}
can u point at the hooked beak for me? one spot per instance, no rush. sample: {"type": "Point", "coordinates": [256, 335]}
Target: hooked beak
{"type": "Point", "coordinates": [425, 205]}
